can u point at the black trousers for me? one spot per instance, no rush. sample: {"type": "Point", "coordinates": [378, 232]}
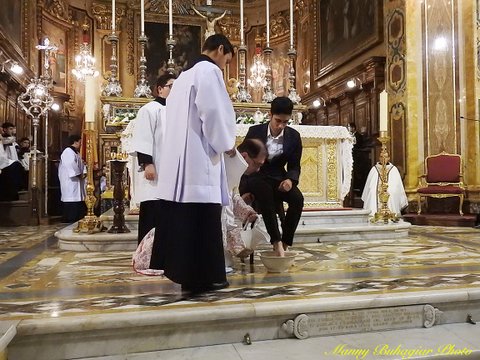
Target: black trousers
{"type": "Point", "coordinates": [73, 211]}
{"type": "Point", "coordinates": [146, 218]}
{"type": "Point", "coordinates": [267, 196]}
{"type": "Point", "coordinates": [11, 179]}
{"type": "Point", "coordinates": [188, 243]}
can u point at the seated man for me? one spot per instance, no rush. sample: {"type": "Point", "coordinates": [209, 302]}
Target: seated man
{"type": "Point", "coordinates": [274, 184]}
{"type": "Point", "coordinates": [10, 175]}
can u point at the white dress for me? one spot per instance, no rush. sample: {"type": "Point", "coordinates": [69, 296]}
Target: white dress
{"type": "Point", "coordinates": [398, 198]}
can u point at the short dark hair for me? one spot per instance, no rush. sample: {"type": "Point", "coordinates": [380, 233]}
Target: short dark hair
{"type": "Point", "coordinates": [213, 43]}
{"type": "Point", "coordinates": [6, 125]}
{"type": "Point", "coordinates": [281, 105]}
{"type": "Point", "coordinates": [24, 139]}
{"type": "Point", "coordinates": [253, 147]}
{"type": "Point", "coordinates": [74, 137]}
{"type": "Point", "coordinates": [163, 79]}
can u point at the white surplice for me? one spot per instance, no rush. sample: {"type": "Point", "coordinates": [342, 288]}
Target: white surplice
{"type": "Point", "coordinates": [147, 139]}
{"type": "Point", "coordinates": [70, 173]}
{"type": "Point", "coordinates": [5, 161]}
{"type": "Point", "coordinates": [10, 146]}
{"type": "Point", "coordinates": [200, 127]}
{"type": "Point", "coordinates": [398, 198]}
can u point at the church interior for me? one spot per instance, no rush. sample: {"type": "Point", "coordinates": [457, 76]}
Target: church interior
{"type": "Point", "coordinates": [386, 100]}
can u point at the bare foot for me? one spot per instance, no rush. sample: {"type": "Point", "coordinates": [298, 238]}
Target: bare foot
{"type": "Point", "coordinates": [278, 248]}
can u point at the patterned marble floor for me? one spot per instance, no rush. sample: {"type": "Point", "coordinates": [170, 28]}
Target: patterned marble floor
{"type": "Point", "coordinates": [38, 280]}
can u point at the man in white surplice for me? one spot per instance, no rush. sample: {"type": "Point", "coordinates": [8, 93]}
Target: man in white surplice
{"type": "Point", "coordinates": [71, 173]}
{"type": "Point", "coordinates": [200, 127]}
{"type": "Point", "coordinates": [145, 148]}
{"type": "Point", "coordinates": [397, 200]}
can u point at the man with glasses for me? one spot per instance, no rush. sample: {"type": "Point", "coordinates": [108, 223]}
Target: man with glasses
{"type": "Point", "coordinates": [145, 146]}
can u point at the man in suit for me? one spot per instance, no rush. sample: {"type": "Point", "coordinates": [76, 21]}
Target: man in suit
{"type": "Point", "coordinates": [274, 184]}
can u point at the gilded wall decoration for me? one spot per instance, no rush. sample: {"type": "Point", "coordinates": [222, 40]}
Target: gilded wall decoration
{"type": "Point", "coordinates": [441, 77]}
{"type": "Point", "coordinates": [59, 9]}
{"type": "Point", "coordinates": [103, 15]}
{"type": "Point", "coordinates": [332, 170]}
{"type": "Point", "coordinates": [180, 7]}
{"type": "Point", "coordinates": [279, 25]}
{"type": "Point", "coordinates": [130, 43]}
{"type": "Point", "coordinates": [396, 80]}
{"type": "Point", "coordinates": [10, 13]}
{"type": "Point", "coordinates": [478, 38]}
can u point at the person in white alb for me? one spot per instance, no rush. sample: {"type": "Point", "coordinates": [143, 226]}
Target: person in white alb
{"type": "Point", "coordinates": [145, 148]}
{"type": "Point", "coordinates": [71, 173]}
{"type": "Point", "coordinates": [199, 128]}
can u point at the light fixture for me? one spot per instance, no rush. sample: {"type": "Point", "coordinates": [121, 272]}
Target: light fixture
{"type": "Point", "coordinates": [55, 107]}
{"type": "Point", "coordinates": [318, 102]}
{"type": "Point", "coordinates": [14, 67]}
{"type": "Point", "coordinates": [84, 60]}
{"type": "Point", "coordinates": [354, 82]}
{"type": "Point", "coordinates": [258, 70]}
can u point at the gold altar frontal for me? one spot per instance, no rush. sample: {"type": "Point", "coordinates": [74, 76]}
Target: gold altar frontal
{"type": "Point", "coordinates": [62, 304]}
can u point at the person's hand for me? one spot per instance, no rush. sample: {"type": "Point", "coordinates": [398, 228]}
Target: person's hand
{"type": "Point", "coordinates": [231, 152]}
{"type": "Point", "coordinates": [285, 186]}
{"type": "Point", "coordinates": [252, 217]}
{"type": "Point", "coordinates": [248, 198]}
{"type": "Point", "coordinates": [150, 172]}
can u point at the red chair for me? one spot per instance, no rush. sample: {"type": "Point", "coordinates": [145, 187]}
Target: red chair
{"type": "Point", "coordinates": [443, 179]}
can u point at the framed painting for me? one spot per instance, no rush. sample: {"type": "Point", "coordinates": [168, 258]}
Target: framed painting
{"type": "Point", "coordinates": [344, 29]}
{"type": "Point", "coordinates": [10, 22]}
{"type": "Point", "coordinates": [58, 59]}
{"type": "Point", "coordinates": [186, 50]}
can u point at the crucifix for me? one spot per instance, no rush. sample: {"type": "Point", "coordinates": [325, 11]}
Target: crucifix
{"type": "Point", "coordinates": [209, 13]}
{"type": "Point", "coordinates": [47, 49]}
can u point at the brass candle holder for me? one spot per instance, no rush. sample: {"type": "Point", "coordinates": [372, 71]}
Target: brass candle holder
{"type": "Point", "coordinates": [90, 224]}
{"type": "Point", "coordinates": [384, 214]}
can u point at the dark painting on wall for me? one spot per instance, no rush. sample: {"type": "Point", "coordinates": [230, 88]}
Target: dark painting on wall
{"type": "Point", "coordinates": [186, 50]}
{"type": "Point", "coordinates": [10, 23]}
{"type": "Point", "coordinates": [345, 28]}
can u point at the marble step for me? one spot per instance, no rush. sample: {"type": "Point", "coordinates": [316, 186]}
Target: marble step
{"type": "Point", "coordinates": [122, 333]}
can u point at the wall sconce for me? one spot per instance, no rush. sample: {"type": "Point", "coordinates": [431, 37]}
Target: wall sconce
{"type": "Point", "coordinates": [355, 82]}
{"type": "Point", "coordinates": [14, 67]}
{"type": "Point", "coordinates": [319, 102]}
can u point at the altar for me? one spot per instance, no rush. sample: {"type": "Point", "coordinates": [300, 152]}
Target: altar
{"type": "Point", "coordinates": [326, 164]}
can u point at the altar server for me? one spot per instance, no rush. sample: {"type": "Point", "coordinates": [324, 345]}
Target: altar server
{"type": "Point", "coordinates": [397, 200]}
{"type": "Point", "coordinates": [71, 173]}
{"type": "Point", "coordinates": [145, 147]}
{"type": "Point", "coordinates": [192, 183]}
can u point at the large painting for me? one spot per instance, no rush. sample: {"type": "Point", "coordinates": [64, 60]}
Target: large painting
{"type": "Point", "coordinates": [345, 28]}
{"type": "Point", "coordinates": [58, 63]}
{"type": "Point", "coordinates": [10, 15]}
{"type": "Point", "coordinates": [186, 50]}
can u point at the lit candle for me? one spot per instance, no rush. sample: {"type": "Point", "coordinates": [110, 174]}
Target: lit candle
{"type": "Point", "coordinates": [113, 16]}
{"type": "Point", "coordinates": [142, 16]}
{"type": "Point", "coordinates": [268, 23]}
{"type": "Point", "coordinates": [241, 22]}
{"type": "Point", "coordinates": [90, 99]}
{"type": "Point", "coordinates": [383, 115]}
{"type": "Point", "coordinates": [170, 18]}
{"type": "Point", "coordinates": [291, 23]}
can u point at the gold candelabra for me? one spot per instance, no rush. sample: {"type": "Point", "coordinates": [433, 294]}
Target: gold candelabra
{"type": "Point", "coordinates": [384, 214]}
{"type": "Point", "coordinates": [90, 223]}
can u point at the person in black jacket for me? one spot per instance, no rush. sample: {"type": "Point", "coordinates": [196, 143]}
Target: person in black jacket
{"type": "Point", "coordinates": [274, 183]}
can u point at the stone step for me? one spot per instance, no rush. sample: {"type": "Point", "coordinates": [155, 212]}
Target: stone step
{"type": "Point", "coordinates": [14, 213]}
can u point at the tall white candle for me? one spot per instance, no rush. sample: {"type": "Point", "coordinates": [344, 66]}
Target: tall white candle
{"type": "Point", "coordinates": [142, 16]}
{"type": "Point", "coordinates": [241, 23]}
{"type": "Point", "coordinates": [383, 115]}
{"type": "Point", "coordinates": [268, 23]}
{"type": "Point", "coordinates": [113, 15]}
{"type": "Point", "coordinates": [170, 18]}
{"type": "Point", "coordinates": [90, 99]}
{"type": "Point", "coordinates": [291, 23]}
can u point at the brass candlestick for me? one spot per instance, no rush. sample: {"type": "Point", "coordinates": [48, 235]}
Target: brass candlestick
{"type": "Point", "coordinates": [90, 223]}
{"type": "Point", "coordinates": [118, 168]}
{"type": "Point", "coordinates": [384, 214]}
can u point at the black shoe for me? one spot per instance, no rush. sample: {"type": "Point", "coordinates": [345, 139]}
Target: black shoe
{"type": "Point", "coordinates": [219, 286]}
{"type": "Point", "coordinates": [197, 289]}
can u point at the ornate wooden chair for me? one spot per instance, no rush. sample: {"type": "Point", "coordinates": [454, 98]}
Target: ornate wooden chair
{"type": "Point", "coordinates": [443, 178]}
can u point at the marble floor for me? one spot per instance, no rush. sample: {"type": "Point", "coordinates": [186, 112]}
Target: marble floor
{"type": "Point", "coordinates": [39, 280]}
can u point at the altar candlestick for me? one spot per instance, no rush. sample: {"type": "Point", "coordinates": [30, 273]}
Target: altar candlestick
{"type": "Point", "coordinates": [241, 22]}
{"type": "Point", "coordinates": [268, 23]}
{"type": "Point", "coordinates": [291, 23]}
{"type": "Point", "coordinates": [383, 115]}
{"type": "Point", "coordinates": [90, 98]}
{"type": "Point", "coordinates": [142, 16]}
{"type": "Point", "coordinates": [170, 18]}
{"type": "Point", "coordinates": [113, 16]}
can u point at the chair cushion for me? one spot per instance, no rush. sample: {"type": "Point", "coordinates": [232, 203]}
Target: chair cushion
{"type": "Point", "coordinates": [443, 168]}
{"type": "Point", "coordinates": [436, 189]}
